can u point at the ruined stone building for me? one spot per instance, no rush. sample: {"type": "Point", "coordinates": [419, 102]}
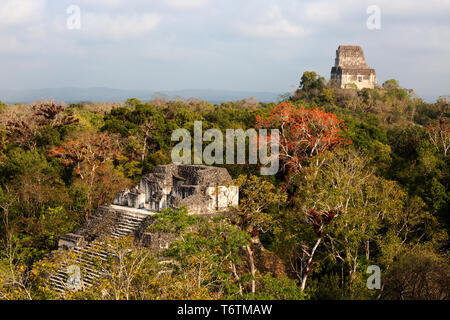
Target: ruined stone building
{"type": "Point", "coordinates": [350, 67]}
{"type": "Point", "coordinates": [201, 189]}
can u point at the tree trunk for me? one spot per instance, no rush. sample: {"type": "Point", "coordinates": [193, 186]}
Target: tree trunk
{"type": "Point", "coordinates": [233, 268]}
{"type": "Point", "coordinates": [311, 256]}
{"type": "Point", "coordinates": [144, 149]}
{"type": "Point", "coordinates": [252, 267]}
{"type": "Point", "coordinates": [367, 250]}
{"type": "Point", "coordinates": [352, 273]}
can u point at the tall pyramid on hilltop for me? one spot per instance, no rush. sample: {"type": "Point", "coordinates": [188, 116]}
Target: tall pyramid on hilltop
{"type": "Point", "coordinates": [350, 67]}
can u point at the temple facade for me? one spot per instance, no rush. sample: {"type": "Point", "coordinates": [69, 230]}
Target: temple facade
{"type": "Point", "coordinates": [202, 189]}
{"type": "Point", "coordinates": [350, 67]}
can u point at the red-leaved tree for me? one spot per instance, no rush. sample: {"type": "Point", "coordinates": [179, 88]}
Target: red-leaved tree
{"type": "Point", "coordinates": [88, 155]}
{"type": "Point", "coordinates": [304, 133]}
{"type": "Point", "coordinates": [25, 131]}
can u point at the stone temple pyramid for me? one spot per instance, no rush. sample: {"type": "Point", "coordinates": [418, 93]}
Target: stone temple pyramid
{"type": "Point", "coordinates": [350, 67]}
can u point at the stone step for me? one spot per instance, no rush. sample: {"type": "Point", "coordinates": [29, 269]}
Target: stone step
{"type": "Point", "coordinates": [89, 280]}
{"type": "Point", "coordinates": [62, 275]}
{"type": "Point", "coordinates": [96, 246]}
{"type": "Point", "coordinates": [130, 219]}
{"type": "Point", "coordinates": [116, 235]}
{"type": "Point", "coordinates": [59, 280]}
{"type": "Point", "coordinates": [129, 222]}
{"type": "Point", "coordinates": [124, 228]}
{"type": "Point", "coordinates": [86, 265]}
{"type": "Point", "coordinates": [85, 276]}
{"type": "Point", "coordinates": [91, 260]}
{"type": "Point", "coordinates": [59, 288]}
{"type": "Point", "coordinates": [97, 250]}
{"type": "Point", "coordinates": [90, 253]}
{"type": "Point", "coordinates": [121, 232]}
{"type": "Point", "coordinates": [129, 226]}
{"type": "Point", "coordinates": [137, 215]}
{"type": "Point", "coordinates": [93, 253]}
{"type": "Point", "coordinates": [131, 215]}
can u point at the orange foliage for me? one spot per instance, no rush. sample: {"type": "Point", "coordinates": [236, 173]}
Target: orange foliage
{"type": "Point", "coordinates": [304, 133]}
{"type": "Point", "coordinates": [87, 153]}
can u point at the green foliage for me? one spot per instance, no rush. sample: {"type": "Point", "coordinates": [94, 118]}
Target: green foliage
{"type": "Point", "coordinates": [55, 222]}
{"type": "Point", "coordinates": [391, 84]}
{"type": "Point", "coordinates": [173, 220]}
{"type": "Point", "coordinates": [215, 235]}
{"type": "Point", "coordinates": [419, 273]}
{"type": "Point", "coordinates": [78, 194]}
{"type": "Point", "coordinates": [206, 249]}
{"type": "Point", "coordinates": [406, 141]}
{"type": "Point", "coordinates": [277, 288]}
{"type": "Point", "coordinates": [391, 185]}
{"type": "Point", "coordinates": [259, 198]}
{"type": "Point", "coordinates": [133, 102]}
{"type": "Point", "coordinates": [26, 163]}
{"type": "Point", "coordinates": [311, 80]}
{"type": "Point", "coordinates": [327, 96]}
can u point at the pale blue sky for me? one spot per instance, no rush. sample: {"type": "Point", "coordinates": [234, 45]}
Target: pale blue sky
{"type": "Point", "coordinates": [245, 45]}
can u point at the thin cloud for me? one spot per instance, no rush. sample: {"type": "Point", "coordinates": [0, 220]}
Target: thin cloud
{"type": "Point", "coordinates": [272, 24]}
{"type": "Point", "coordinates": [186, 4]}
{"type": "Point", "coordinates": [118, 27]}
{"type": "Point", "coordinates": [322, 12]}
{"type": "Point", "coordinates": [20, 12]}
{"type": "Point", "coordinates": [278, 29]}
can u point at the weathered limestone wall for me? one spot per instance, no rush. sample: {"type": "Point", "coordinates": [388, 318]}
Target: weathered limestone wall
{"type": "Point", "coordinates": [202, 189]}
{"type": "Point", "coordinates": [350, 67]}
{"type": "Point", "coordinates": [350, 57]}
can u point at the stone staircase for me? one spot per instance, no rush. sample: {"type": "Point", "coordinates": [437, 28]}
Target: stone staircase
{"type": "Point", "coordinates": [129, 222]}
{"type": "Point", "coordinates": [87, 258]}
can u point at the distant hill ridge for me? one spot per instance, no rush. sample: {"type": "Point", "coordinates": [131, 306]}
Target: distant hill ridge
{"type": "Point", "coordinates": [101, 94]}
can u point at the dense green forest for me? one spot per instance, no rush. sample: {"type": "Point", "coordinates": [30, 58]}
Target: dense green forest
{"type": "Point", "coordinates": [372, 189]}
